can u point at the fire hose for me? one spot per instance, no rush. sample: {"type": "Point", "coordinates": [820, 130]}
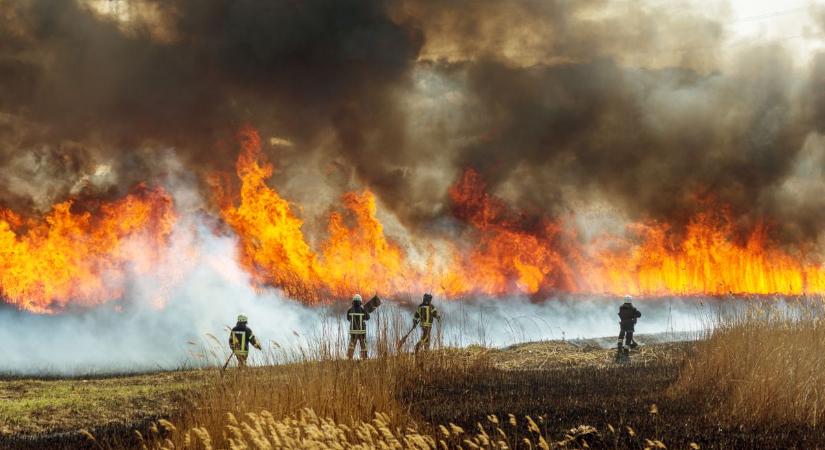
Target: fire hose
{"type": "Point", "coordinates": [231, 354]}
{"type": "Point", "coordinates": [404, 339]}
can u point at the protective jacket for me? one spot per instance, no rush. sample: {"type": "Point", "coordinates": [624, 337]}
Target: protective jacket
{"type": "Point", "coordinates": [628, 315]}
{"type": "Point", "coordinates": [357, 317]}
{"type": "Point", "coordinates": [426, 314]}
{"type": "Point", "coordinates": [240, 337]}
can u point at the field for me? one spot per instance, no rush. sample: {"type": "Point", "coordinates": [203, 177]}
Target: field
{"type": "Point", "coordinates": [38, 412]}
{"type": "Point", "coordinates": [540, 394]}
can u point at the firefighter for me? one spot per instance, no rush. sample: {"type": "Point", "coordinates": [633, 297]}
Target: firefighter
{"type": "Point", "coordinates": [357, 317]}
{"type": "Point", "coordinates": [627, 322]}
{"type": "Point", "coordinates": [239, 339]}
{"type": "Point", "coordinates": [425, 313]}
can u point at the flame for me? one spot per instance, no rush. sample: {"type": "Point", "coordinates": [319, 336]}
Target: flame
{"type": "Point", "coordinates": [500, 251]}
{"type": "Point", "coordinates": [82, 254]}
{"type": "Point", "coordinates": [707, 260]}
{"type": "Point", "coordinates": [79, 257]}
{"type": "Point", "coordinates": [506, 254]}
{"type": "Point", "coordinates": [274, 249]}
{"type": "Point", "coordinates": [272, 244]}
{"type": "Point", "coordinates": [359, 257]}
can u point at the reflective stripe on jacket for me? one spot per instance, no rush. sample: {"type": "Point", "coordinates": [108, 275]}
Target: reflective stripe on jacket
{"type": "Point", "coordinates": [239, 339]}
{"type": "Point", "coordinates": [357, 318]}
{"type": "Point", "coordinates": [426, 314]}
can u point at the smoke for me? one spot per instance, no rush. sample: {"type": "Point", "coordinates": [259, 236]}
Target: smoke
{"type": "Point", "coordinates": [177, 315]}
{"type": "Point", "coordinates": [82, 88]}
{"type": "Point", "coordinates": [555, 103]}
{"type": "Point", "coordinates": [138, 334]}
{"type": "Point", "coordinates": [611, 111]}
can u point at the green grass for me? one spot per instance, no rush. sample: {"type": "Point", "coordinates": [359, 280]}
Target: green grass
{"type": "Point", "coordinates": [44, 406]}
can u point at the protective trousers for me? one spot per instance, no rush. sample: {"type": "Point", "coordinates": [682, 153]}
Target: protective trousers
{"type": "Point", "coordinates": [361, 340]}
{"type": "Point", "coordinates": [425, 339]}
{"type": "Point", "coordinates": [241, 358]}
{"type": "Point", "coordinates": [626, 335]}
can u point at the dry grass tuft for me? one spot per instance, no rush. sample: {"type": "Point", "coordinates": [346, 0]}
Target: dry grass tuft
{"type": "Point", "coordinates": [308, 430]}
{"type": "Point", "coordinates": [764, 365]}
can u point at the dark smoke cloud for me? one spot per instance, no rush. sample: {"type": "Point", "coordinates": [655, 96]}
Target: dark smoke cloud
{"type": "Point", "coordinates": [646, 119]}
{"type": "Point", "coordinates": [649, 139]}
{"type": "Point", "coordinates": [73, 75]}
{"type": "Point", "coordinates": [633, 103]}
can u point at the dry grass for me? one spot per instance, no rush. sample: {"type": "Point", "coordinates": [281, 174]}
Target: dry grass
{"type": "Point", "coordinates": [318, 377]}
{"type": "Point", "coordinates": [763, 365]}
{"type": "Point", "coordinates": [554, 355]}
{"type": "Point", "coordinates": [551, 395]}
{"type": "Point", "coordinates": [314, 398]}
{"type": "Point", "coordinates": [306, 430]}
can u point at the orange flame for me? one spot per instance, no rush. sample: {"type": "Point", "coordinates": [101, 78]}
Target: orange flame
{"type": "Point", "coordinates": [360, 258]}
{"type": "Point", "coordinates": [273, 247]}
{"type": "Point", "coordinates": [506, 256]}
{"type": "Point", "coordinates": [80, 257]}
{"type": "Point", "coordinates": [707, 260]}
{"type": "Point", "coordinates": [500, 251]}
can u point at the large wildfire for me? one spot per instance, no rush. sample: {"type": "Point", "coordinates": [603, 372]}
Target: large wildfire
{"type": "Point", "coordinates": [399, 147]}
{"type": "Point", "coordinates": [76, 256]}
{"type": "Point", "coordinates": [501, 253]}
{"type": "Point", "coordinates": [79, 256]}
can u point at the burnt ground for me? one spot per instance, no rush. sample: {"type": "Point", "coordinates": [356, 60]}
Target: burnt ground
{"type": "Point", "coordinates": [561, 385]}
{"type": "Point", "coordinates": [598, 393]}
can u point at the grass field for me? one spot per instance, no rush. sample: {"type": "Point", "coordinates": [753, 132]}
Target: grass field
{"type": "Point", "coordinates": [44, 411]}
{"type": "Point", "coordinates": [714, 393]}
{"type": "Point", "coordinates": [48, 412]}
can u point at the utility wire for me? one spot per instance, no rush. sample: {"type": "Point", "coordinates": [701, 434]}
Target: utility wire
{"type": "Point", "coordinates": [754, 18]}
{"type": "Point", "coordinates": [770, 15]}
{"type": "Point", "coordinates": [679, 49]}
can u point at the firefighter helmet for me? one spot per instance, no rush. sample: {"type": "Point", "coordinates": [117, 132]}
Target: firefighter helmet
{"type": "Point", "coordinates": [242, 318]}
{"type": "Point", "coordinates": [428, 298]}
{"type": "Point", "coordinates": [356, 299]}
{"type": "Point", "coordinates": [628, 299]}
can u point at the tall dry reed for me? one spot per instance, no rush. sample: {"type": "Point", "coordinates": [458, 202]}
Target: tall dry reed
{"type": "Point", "coordinates": [316, 375]}
{"type": "Point", "coordinates": [762, 364]}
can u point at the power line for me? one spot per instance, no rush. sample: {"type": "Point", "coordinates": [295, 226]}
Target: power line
{"type": "Point", "coordinates": [770, 15]}
{"type": "Point", "coordinates": [732, 44]}
{"type": "Point", "coordinates": [750, 41]}
{"type": "Point", "coordinates": [755, 18]}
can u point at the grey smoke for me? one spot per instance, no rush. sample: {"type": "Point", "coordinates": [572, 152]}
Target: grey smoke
{"type": "Point", "coordinates": [136, 335]}
{"type": "Point", "coordinates": [555, 102]}
{"type": "Point", "coordinates": [560, 105]}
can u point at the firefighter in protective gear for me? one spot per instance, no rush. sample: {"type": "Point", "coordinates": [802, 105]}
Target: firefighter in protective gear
{"type": "Point", "coordinates": [627, 323]}
{"type": "Point", "coordinates": [425, 314]}
{"type": "Point", "coordinates": [357, 317]}
{"type": "Point", "coordinates": [240, 338]}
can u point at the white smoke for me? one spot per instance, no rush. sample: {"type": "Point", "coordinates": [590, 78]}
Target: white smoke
{"type": "Point", "coordinates": [138, 335]}
{"type": "Point", "coordinates": [166, 318]}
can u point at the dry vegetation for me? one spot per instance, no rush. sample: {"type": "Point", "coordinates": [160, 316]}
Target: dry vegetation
{"type": "Point", "coordinates": [764, 365]}
{"type": "Point", "coordinates": [737, 389]}
{"type": "Point", "coordinates": [308, 431]}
